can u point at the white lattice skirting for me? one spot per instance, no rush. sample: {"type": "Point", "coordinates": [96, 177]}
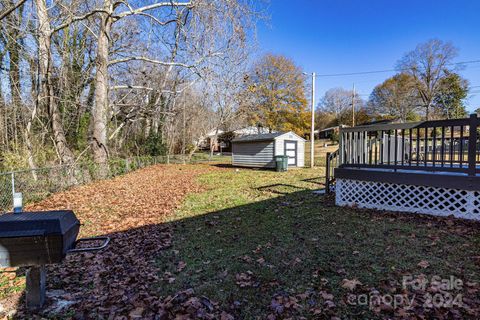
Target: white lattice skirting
{"type": "Point", "coordinates": [408, 198]}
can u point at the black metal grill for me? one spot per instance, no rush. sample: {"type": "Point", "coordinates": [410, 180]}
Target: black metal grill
{"type": "Point", "coordinates": [36, 238]}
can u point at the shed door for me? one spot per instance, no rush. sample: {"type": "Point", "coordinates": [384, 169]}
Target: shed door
{"type": "Point", "coordinates": [291, 152]}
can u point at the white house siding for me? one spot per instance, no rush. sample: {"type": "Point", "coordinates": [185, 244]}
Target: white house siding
{"type": "Point", "coordinates": [253, 154]}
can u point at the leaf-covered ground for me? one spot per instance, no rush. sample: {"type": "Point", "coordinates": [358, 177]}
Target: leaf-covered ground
{"type": "Point", "coordinates": [213, 242]}
{"type": "Point", "coordinates": [123, 278]}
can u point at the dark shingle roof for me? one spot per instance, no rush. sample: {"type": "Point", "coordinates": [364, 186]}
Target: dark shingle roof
{"type": "Point", "coordinates": [258, 137]}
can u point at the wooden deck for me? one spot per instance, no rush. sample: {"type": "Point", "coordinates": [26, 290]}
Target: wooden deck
{"type": "Point", "coordinates": [430, 167]}
{"type": "Point", "coordinates": [443, 153]}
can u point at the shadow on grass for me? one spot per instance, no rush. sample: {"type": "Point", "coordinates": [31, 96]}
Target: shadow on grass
{"type": "Point", "coordinates": [316, 180]}
{"type": "Point", "coordinates": [231, 166]}
{"type": "Point", "coordinates": [279, 188]}
{"type": "Point", "coordinates": [297, 245]}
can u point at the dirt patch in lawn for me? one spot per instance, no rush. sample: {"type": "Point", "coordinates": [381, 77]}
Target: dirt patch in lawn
{"type": "Point", "coordinates": [120, 280]}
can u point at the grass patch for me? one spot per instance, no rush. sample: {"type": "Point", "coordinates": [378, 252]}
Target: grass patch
{"type": "Point", "coordinates": [253, 235]}
{"type": "Point", "coordinates": [11, 284]}
{"type": "Point", "coordinates": [320, 152]}
{"type": "Point", "coordinates": [236, 187]}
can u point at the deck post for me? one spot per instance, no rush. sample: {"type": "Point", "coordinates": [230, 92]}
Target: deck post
{"type": "Point", "coordinates": [340, 146]}
{"type": "Point", "coordinates": [327, 174]}
{"type": "Point", "coordinates": [35, 287]}
{"type": "Point", "coordinates": [472, 145]}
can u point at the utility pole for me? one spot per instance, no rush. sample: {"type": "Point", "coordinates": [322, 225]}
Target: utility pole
{"type": "Point", "coordinates": [312, 133]}
{"type": "Point", "coordinates": [312, 126]}
{"type": "Point", "coordinates": [353, 106]}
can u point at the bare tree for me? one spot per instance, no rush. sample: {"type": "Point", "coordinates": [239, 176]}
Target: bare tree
{"type": "Point", "coordinates": [202, 30]}
{"type": "Point", "coordinates": [428, 64]}
{"type": "Point", "coordinates": [46, 96]}
{"type": "Point", "coordinates": [338, 102]}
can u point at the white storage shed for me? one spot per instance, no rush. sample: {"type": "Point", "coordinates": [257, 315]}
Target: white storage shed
{"type": "Point", "coordinates": [259, 150]}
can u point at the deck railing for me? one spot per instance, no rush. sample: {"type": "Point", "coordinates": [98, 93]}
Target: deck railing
{"type": "Point", "coordinates": [331, 164]}
{"type": "Point", "coordinates": [441, 145]}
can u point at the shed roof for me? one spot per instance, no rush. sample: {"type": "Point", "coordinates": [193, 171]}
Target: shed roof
{"type": "Point", "coordinates": [263, 137]}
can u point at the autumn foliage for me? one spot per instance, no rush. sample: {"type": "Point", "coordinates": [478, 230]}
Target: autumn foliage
{"type": "Point", "coordinates": [276, 95]}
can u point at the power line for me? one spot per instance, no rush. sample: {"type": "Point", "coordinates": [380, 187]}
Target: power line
{"type": "Point", "coordinates": [384, 71]}
{"type": "Point", "coordinates": [470, 87]}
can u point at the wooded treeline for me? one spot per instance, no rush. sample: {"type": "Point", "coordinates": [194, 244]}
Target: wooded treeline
{"type": "Point", "coordinates": [99, 79]}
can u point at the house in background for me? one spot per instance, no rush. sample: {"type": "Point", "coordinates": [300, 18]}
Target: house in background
{"type": "Point", "coordinates": [252, 130]}
{"type": "Point", "coordinates": [221, 140]}
{"type": "Point", "coordinates": [329, 133]}
{"type": "Point", "coordinates": [211, 141]}
{"type": "Point", "coordinates": [381, 121]}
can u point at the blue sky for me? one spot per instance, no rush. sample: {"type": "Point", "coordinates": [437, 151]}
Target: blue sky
{"type": "Point", "coordinates": [343, 36]}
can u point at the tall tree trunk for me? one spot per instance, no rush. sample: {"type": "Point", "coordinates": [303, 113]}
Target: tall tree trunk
{"type": "Point", "coordinates": [2, 127]}
{"type": "Point", "coordinates": [100, 109]}
{"type": "Point", "coordinates": [28, 142]}
{"type": "Point", "coordinates": [3, 113]}
{"type": "Point", "coordinates": [31, 118]}
{"type": "Point", "coordinates": [13, 48]}
{"type": "Point", "coordinates": [46, 95]}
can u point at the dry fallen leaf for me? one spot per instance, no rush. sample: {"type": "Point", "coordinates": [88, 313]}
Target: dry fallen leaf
{"type": "Point", "coordinates": [350, 284]}
{"type": "Point", "coordinates": [423, 264]}
{"type": "Point", "coordinates": [326, 295]}
{"type": "Point", "coordinates": [181, 265]}
{"type": "Point", "coordinates": [244, 279]}
{"type": "Point", "coordinates": [137, 313]}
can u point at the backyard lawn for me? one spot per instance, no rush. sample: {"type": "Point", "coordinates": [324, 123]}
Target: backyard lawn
{"type": "Point", "coordinates": [213, 242]}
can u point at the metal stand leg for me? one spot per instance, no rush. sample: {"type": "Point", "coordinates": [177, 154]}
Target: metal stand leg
{"type": "Point", "coordinates": [35, 291]}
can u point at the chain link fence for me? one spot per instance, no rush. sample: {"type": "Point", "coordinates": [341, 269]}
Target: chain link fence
{"type": "Point", "coordinates": [39, 183]}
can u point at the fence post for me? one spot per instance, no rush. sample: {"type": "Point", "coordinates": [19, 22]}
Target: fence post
{"type": "Point", "coordinates": [472, 145]}
{"type": "Point", "coordinates": [13, 184]}
{"type": "Point", "coordinates": [327, 174]}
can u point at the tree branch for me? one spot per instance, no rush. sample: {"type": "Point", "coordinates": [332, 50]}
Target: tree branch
{"type": "Point", "coordinates": [153, 6]}
{"type": "Point", "coordinates": [78, 18]}
{"type": "Point", "coordinates": [162, 23]}
{"type": "Point", "coordinates": [163, 63]}
{"type": "Point", "coordinates": [121, 87]}
{"type": "Point", "coordinates": [7, 11]}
